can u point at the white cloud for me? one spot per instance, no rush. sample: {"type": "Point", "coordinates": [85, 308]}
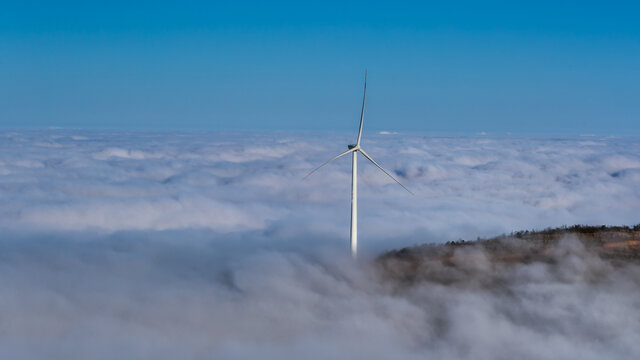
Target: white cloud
{"type": "Point", "coordinates": [124, 153]}
{"type": "Point", "coordinates": [209, 245]}
{"type": "Point", "coordinates": [465, 186]}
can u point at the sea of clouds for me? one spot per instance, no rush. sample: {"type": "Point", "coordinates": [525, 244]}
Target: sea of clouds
{"type": "Point", "coordinates": [200, 245]}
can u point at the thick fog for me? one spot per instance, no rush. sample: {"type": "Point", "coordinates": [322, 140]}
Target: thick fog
{"type": "Point", "coordinates": [196, 245]}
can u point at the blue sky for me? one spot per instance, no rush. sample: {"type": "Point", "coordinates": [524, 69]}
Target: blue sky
{"type": "Point", "coordinates": [461, 67]}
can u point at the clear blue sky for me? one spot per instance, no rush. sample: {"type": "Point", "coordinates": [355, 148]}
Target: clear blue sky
{"type": "Point", "coordinates": [451, 66]}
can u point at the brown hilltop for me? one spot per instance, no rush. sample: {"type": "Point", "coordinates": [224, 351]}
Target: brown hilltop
{"type": "Point", "coordinates": [616, 245]}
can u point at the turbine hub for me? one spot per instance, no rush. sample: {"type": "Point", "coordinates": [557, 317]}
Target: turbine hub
{"type": "Point", "coordinates": [351, 146]}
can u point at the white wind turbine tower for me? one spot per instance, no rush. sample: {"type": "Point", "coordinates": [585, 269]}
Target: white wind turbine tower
{"type": "Point", "coordinates": [354, 149]}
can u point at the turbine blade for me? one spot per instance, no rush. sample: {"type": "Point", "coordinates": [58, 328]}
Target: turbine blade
{"type": "Point", "coordinates": [328, 161]}
{"type": "Point", "coordinates": [362, 112]}
{"type": "Point", "coordinates": [384, 171]}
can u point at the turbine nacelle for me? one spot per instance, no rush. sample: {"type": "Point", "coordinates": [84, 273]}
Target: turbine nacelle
{"type": "Point", "coordinates": [352, 146]}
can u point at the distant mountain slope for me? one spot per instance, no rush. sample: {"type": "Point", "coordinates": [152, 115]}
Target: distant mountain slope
{"type": "Point", "coordinates": [452, 261]}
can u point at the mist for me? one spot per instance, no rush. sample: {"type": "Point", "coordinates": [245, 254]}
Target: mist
{"type": "Point", "coordinates": [210, 246]}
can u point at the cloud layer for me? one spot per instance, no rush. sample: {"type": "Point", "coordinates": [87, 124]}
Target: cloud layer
{"type": "Point", "coordinates": [209, 245]}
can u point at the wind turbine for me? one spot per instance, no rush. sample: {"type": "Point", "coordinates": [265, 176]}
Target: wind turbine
{"type": "Point", "coordinates": [355, 149]}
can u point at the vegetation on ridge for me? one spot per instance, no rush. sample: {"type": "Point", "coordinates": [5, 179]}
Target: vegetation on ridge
{"type": "Point", "coordinates": [615, 245]}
